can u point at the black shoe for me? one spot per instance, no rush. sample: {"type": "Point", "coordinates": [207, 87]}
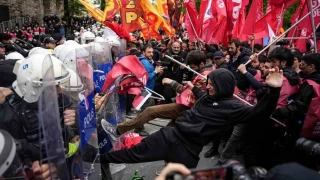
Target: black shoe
{"type": "Point", "coordinates": [219, 163]}
{"type": "Point", "coordinates": [212, 151]}
{"type": "Point", "coordinates": [141, 132]}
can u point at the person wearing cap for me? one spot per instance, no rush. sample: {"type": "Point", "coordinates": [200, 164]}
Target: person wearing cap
{"type": "Point", "coordinates": [58, 38]}
{"type": "Point", "coordinates": [219, 59]}
{"type": "Point", "coordinates": [49, 43]}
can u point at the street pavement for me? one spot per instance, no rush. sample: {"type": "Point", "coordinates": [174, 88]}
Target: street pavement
{"type": "Point", "coordinates": [148, 170]}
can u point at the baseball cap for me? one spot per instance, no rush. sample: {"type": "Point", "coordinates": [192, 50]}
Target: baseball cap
{"type": "Point", "coordinates": [48, 40]}
{"type": "Point", "coordinates": [2, 45]}
{"type": "Point", "coordinates": [218, 55]}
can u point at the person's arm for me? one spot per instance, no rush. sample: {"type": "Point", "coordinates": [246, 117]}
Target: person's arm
{"type": "Point", "coordinates": [255, 84]}
{"type": "Point", "coordinates": [299, 106]}
{"type": "Point", "coordinates": [179, 88]}
{"type": "Point", "coordinates": [198, 92]}
{"type": "Point", "coordinates": [151, 74]}
{"type": "Point", "coordinates": [265, 106]}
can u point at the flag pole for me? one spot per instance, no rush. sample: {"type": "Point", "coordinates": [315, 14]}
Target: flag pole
{"type": "Point", "coordinates": [181, 64]}
{"type": "Point", "coordinates": [292, 38]}
{"type": "Point", "coordinates": [313, 28]}
{"type": "Point", "coordinates": [278, 25]}
{"type": "Point", "coordinates": [278, 38]}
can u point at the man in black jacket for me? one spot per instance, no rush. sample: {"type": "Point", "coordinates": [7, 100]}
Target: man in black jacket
{"type": "Point", "coordinates": [238, 56]}
{"type": "Point", "coordinates": [214, 113]}
{"type": "Point", "coordinates": [173, 70]}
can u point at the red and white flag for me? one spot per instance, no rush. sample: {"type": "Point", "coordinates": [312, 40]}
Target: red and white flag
{"type": "Point", "coordinates": [191, 18]}
{"type": "Point", "coordinates": [254, 15]}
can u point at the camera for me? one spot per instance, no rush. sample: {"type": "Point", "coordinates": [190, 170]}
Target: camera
{"type": "Point", "coordinates": [231, 170]}
{"type": "Point", "coordinates": [164, 64]}
{"type": "Point", "coordinates": [308, 146]}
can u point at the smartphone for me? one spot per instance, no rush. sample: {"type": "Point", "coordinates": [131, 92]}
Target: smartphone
{"type": "Point", "coordinates": [214, 173]}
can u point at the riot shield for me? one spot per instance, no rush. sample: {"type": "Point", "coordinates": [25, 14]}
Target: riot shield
{"type": "Point", "coordinates": [122, 48]}
{"type": "Point", "coordinates": [52, 140]}
{"type": "Point", "coordinates": [87, 164]}
{"type": "Point", "coordinates": [102, 63]}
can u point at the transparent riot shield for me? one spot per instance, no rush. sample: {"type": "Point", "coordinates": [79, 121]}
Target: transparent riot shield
{"type": "Point", "coordinates": [122, 48]}
{"type": "Point", "coordinates": [102, 64]}
{"type": "Point", "coordinates": [52, 138]}
{"type": "Point", "coordinates": [88, 165]}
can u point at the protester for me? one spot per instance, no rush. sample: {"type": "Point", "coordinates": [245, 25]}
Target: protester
{"type": "Point", "coordinates": [184, 142]}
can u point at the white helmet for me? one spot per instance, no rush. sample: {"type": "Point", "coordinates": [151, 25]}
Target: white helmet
{"type": "Point", "coordinates": [14, 55]}
{"type": "Point", "coordinates": [75, 84]}
{"type": "Point", "coordinates": [113, 41]}
{"type": "Point", "coordinates": [71, 42]}
{"type": "Point", "coordinates": [39, 50]}
{"type": "Point", "coordinates": [99, 39]}
{"type": "Point", "coordinates": [30, 74]}
{"type": "Point", "coordinates": [68, 55]}
{"type": "Point", "coordinates": [87, 36]}
{"type": "Point", "coordinates": [57, 50]}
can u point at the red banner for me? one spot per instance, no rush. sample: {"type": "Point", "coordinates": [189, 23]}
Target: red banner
{"type": "Point", "coordinates": [130, 15]}
{"type": "Point", "coordinates": [254, 15]}
{"type": "Point", "coordinates": [233, 13]}
{"type": "Point", "coordinates": [191, 18]}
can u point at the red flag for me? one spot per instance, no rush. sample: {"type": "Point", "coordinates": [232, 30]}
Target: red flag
{"type": "Point", "coordinates": [295, 17]}
{"type": "Point", "coordinates": [126, 66]}
{"type": "Point", "coordinates": [130, 15]}
{"type": "Point", "coordinates": [204, 11]}
{"type": "Point", "coordinates": [305, 25]}
{"type": "Point", "coordinates": [191, 19]}
{"type": "Point", "coordinates": [233, 13]}
{"type": "Point", "coordinates": [273, 18]}
{"type": "Point", "coordinates": [220, 35]}
{"type": "Point", "coordinates": [120, 31]}
{"type": "Point", "coordinates": [131, 85]}
{"type": "Point", "coordinates": [221, 7]}
{"type": "Point", "coordinates": [239, 25]}
{"type": "Point", "coordinates": [254, 15]}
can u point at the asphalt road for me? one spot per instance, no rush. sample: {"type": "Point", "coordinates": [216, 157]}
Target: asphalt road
{"type": "Point", "coordinates": [148, 170]}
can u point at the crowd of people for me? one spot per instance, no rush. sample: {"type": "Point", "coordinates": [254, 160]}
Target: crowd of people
{"type": "Point", "coordinates": [254, 103]}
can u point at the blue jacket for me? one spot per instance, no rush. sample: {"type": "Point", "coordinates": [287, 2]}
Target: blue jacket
{"type": "Point", "coordinates": [150, 69]}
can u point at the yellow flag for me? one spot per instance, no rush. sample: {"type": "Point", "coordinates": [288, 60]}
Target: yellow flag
{"type": "Point", "coordinates": [112, 7]}
{"type": "Point", "coordinates": [153, 17]}
{"type": "Point", "coordinates": [162, 7]}
{"type": "Point", "coordinates": [93, 10]}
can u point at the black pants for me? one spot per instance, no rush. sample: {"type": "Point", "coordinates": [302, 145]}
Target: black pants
{"type": "Point", "coordinates": [233, 142]}
{"type": "Point", "coordinates": [162, 145]}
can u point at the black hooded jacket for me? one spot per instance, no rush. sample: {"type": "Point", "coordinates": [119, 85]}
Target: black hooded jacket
{"type": "Point", "coordinates": [244, 56]}
{"type": "Point", "coordinates": [291, 75]}
{"type": "Point", "coordinates": [213, 115]}
{"type": "Point", "coordinates": [242, 59]}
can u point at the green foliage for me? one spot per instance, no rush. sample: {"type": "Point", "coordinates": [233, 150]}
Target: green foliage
{"type": "Point", "coordinates": [102, 4]}
{"type": "Point", "coordinates": [287, 15]}
{"type": "Point", "coordinates": [75, 8]}
{"type": "Point", "coordinates": [197, 2]}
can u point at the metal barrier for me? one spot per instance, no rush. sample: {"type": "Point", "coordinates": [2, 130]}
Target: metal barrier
{"type": "Point", "coordinates": [20, 21]}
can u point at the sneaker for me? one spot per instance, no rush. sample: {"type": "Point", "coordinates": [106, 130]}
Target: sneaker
{"type": "Point", "coordinates": [110, 129]}
{"type": "Point", "coordinates": [212, 151]}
